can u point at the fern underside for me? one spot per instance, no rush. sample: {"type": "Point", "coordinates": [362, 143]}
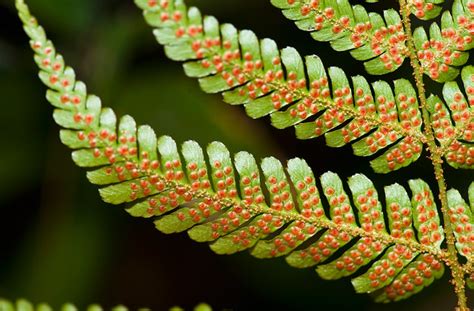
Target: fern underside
{"type": "Point", "coordinates": [380, 121]}
{"type": "Point", "coordinates": [381, 41]}
{"type": "Point", "coordinates": [272, 210]}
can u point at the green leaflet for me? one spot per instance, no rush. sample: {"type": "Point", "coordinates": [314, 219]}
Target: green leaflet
{"type": "Point", "coordinates": [352, 28]}
{"type": "Point", "coordinates": [380, 41]}
{"type": "Point", "coordinates": [462, 221]}
{"type": "Point", "coordinates": [416, 276]}
{"type": "Point", "coordinates": [292, 90]}
{"type": "Point", "coordinates": [235, 204]}
{"type": "Point", "coordinates": [199, 307]}
{"type": "Point", "coordinates": [470, 281]}
{"type": "Point", "coordinates": [24, 305]}
{"type": "Point", "coordinates": [426, 9]}
{"type": "Point", "coordinates": [413, 271]}
{"type": "Point", "coordinates": [423, 9]}
{"type": "Point", "coordinates": [371, 218]}
{"type": "Point", "coordinates": [452, 120]}
{"type": "Point", "coordinates": [448, 44]}
{"type": "Point", "coordinates": [395, 258]}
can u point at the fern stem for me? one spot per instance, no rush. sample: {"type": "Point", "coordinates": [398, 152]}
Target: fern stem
{"type": "Point", "coordinates": [457, 270]}
{"type": "Point", "coordinates": [292, 217]}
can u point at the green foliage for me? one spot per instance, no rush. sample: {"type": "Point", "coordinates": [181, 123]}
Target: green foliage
{"type": "Point", "coordinates": [231, 210]}
{"type": "Point", "coordinates": [462, 220]}
{"type": "Point", "coordinates": [452, 123]}
{"type": "Point", "coordinates": [378, 120]}
{"type": "Point", "coordinates": [24, 305]}
{"type": "Point", "coordinates": [423, 9]}
{"type": "Point", "coordinates": [268, 81]}
{"type": "Point", "coordinates": [447, 46]}
{"type": "Point", "coordinates": [199, 307]}
{"type": "Point", "coordinates": [378, 41]}
{"type": "Point", "coordinates": [235, 204]}
{"type": "Point", "coordinates": [381, 42]}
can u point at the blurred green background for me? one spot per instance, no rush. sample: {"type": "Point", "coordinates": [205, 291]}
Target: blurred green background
{"type": "Point", "coordinates": [60, 243]}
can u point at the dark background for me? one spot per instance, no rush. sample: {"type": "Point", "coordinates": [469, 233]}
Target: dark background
{"type": "Point", "coordinates": [60, 243]}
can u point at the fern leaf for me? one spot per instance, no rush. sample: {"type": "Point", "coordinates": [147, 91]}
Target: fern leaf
{"type": "Point", "coordinates": [447, 47]}
{"type": "Point", "coordinates": [422, 271]}
{"type": "Point", "coordinates": [462, 220]}
{"type": "Point", "coordinates": [234, 204]}
{"type": "Point", "coordinates": [426, 9]}
{"type": "Point", "coordinates": [453, 120]}
{"type": "Point", "coordinates": [24, 305]}
{"type": "Point", "coordinates": [423, 9]}
{"type": "Point", "coordinates": [380, 42]}
{"type": "Point", "coordinates": [470, 281]}
{"type": "Point", "coordinates": [378, 121]}
{"type": "Point", "coordinates": [419, 274]}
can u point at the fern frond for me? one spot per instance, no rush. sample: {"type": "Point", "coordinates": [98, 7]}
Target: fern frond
{"type": "Point", "coordinates": [235, 205]}
{"type": "Point", "coordinates": [453, 120]}
{"type": "Point", "coordinates": [380, 43]}
{"type": "Point", "coordinates": [423, 9]}
{"type": "Point", "coordinates": [377, 121]}
{"type": "Point", "coordinates": [24, 305]}
{"type": "Point", "coordinates": [462, 220]}
{"type": "Point", "coordinates": [447, 47]}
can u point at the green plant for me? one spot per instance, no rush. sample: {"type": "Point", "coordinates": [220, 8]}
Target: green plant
{"type": "Point", "coordinates": [24, 305]}
{"type": "Point", "coordinates": [185, 191]}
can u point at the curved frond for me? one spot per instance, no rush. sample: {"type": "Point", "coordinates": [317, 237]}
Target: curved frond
{"type": "Point", "coordinates": [378, 120]}
{"type": "Point", "coordinates": [453, 121]}
{"type": "Point", "coordinates": [447, 47]}
{"type": "Point", "coordinates": [378, 41]}
{"type": "Point", "coordinates": [381, 42]}
{"type": "Point", "coordinates": [235, 204]}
